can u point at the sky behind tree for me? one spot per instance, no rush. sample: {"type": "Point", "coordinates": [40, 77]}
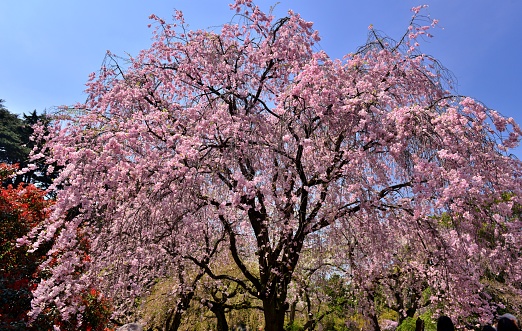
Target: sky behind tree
{"type": "Point", "coordinates": [48, 48]}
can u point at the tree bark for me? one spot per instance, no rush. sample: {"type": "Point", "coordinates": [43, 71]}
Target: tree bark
{"type": "Point", "coordinates": [219, 311]}
{"type": "Point", "coordinates": [274, 310]}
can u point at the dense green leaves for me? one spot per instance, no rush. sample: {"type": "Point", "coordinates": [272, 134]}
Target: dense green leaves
{"type": "Point", "coordinates": [14, 137]}
{"type": "Point", "coordinates": [16, 145]}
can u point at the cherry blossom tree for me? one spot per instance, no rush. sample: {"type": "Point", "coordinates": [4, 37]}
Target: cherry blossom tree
{"type": "Point", "coordinates": [247, 140]}
{"type": "Point", "coordinates": [23, 207]}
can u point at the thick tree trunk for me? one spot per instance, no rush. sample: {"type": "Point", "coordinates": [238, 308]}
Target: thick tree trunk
{"type": "Point", "coordinates": [274, 311]}
{"type": "Point", "coordinates": [219, 311]}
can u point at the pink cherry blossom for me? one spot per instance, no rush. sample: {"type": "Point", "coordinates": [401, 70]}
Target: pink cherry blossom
{"type": "Point", "coordinates": [246, 144]}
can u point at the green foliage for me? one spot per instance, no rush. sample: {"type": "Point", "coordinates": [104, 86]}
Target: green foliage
{"type": "Point", "coordinates": [13, 137]}
{"type": "Point", "coordinates": [389, 314]}
{"type": "Point", "coordinates": [155, 306]}
{"type": "Point", "coordinates": [294, 326]}
{"type": "Point", "coordinates": [426, 295]}
{"type": "Point", "coordinates": [409, 323]}
{"type": "Point", "coordinates": [334, 323]}
{"type": "Point", "coordinates": [445, 220]}
{"type": "Point", "coordinates": [16, 145]}
{"type": "Point", "coordinates": [339, 293]}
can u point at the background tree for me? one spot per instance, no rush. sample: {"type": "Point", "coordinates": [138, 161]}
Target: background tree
{"type": "Point", "coordinates": [16, 146]}
{"type": "Point", "coordinates": [250, 131]}
{"type": "Point", "coordinates": [13, 138]}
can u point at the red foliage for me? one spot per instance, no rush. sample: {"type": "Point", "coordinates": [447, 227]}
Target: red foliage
{"type": "Point", "coordinates": [21, 208]}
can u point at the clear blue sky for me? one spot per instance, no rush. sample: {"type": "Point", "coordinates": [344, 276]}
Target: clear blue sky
{"type": "Point", "coordinates": [48, 48]}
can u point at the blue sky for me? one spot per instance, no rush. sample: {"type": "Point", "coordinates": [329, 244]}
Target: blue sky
{"type": "Point", "coordinates": [48, 48]}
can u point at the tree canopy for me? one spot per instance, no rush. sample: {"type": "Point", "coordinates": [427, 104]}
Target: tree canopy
{"type": "Point", "coordinates": [13, 135]}
{"type": "Point", "coordinates": [16, 146]}
{"type": "Point", "coordinates": [249, 145]}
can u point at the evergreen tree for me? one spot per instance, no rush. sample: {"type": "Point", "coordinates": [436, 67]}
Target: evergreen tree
{"type": "Point", "coordinates": [13, 147]}
{"type": "Point", "coordinates": [16, 146]}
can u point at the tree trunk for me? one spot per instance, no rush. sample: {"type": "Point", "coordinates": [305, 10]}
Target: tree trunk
{"type": "Point", "coordinates": [274, 311]}
{"type": "Point", "coordinates": [219, 311]}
